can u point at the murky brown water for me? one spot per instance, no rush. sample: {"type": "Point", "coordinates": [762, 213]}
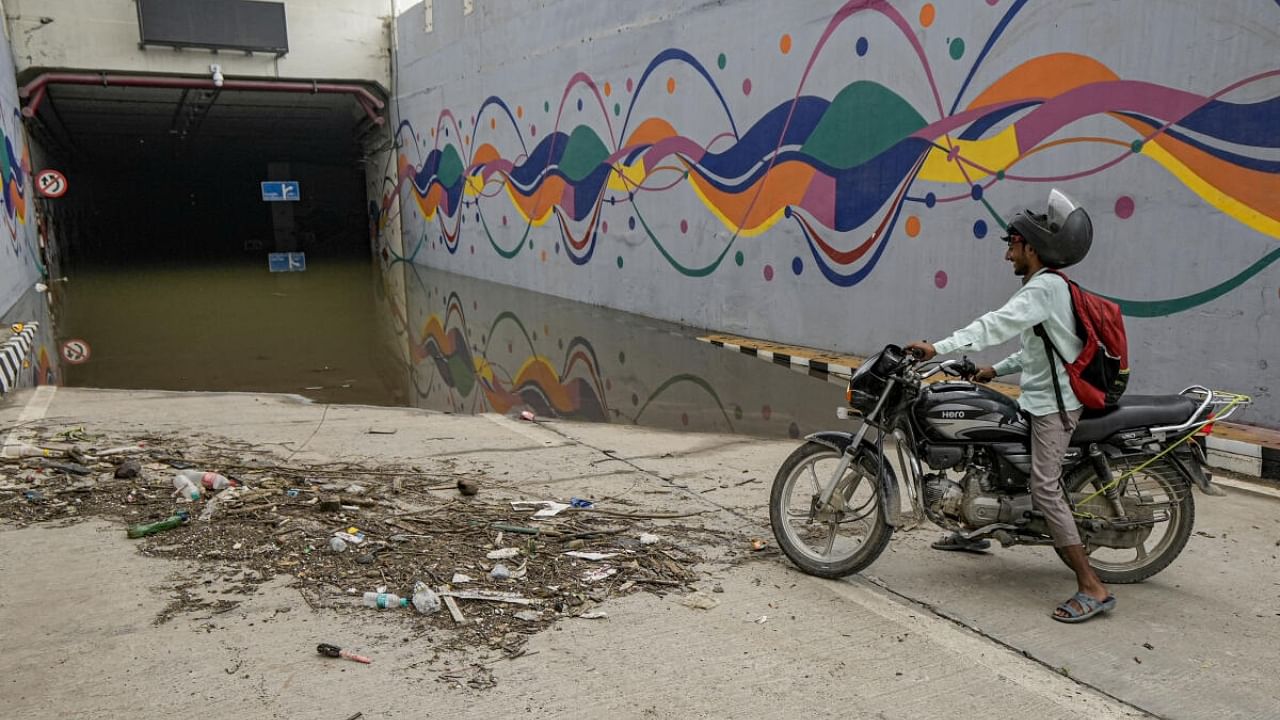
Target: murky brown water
{"type": "Point", "coordinates": [232, 326]}
{"type": "Point", "coordinates": [447, 342]}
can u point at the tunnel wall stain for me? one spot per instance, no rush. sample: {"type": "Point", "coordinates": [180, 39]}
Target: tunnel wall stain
{"type": "Point", "coordinates": [836, 174]}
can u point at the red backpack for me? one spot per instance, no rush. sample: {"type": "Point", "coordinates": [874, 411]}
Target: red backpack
{"type": "Point", "coordinates": [1101, 372]}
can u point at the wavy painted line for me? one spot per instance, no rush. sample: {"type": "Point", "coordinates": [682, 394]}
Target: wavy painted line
{"type": "Point", "coordinates": [1158, 308]}
{"type": "Point", "coordinates": [684, 378]}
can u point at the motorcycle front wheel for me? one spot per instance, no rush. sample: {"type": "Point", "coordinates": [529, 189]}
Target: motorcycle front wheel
{"type": "Point", "coordinates": [845, 536]}
{"type": "Point", "coordinates": [1155, 493]}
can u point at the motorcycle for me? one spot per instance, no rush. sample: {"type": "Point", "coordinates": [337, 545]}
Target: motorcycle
{"type": "Point", "coordinates": [1127, 473]}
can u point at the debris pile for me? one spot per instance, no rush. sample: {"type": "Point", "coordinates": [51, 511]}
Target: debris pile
{"type": "Point", "coordinates": [460, 553]}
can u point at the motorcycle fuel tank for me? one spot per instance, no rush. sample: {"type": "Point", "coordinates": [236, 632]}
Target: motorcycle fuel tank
{"type": "Point", "coordinates": [966, 412]}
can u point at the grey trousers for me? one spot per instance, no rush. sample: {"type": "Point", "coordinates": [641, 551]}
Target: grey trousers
{"type": "Point", "coordinates": [1049, 441]}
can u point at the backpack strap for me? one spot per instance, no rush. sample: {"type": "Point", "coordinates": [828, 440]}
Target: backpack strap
{"type": "Point", "coordinates": [1050, 350]}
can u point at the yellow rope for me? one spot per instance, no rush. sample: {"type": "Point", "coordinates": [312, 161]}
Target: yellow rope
{"type": "Point", "coordinates": [1236, 400]}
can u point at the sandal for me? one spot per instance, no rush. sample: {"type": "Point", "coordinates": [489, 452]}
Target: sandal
{"type": "Point", "coordinates": [1090, 605]}
{"type": "Point", "coordinates": [955, 543]}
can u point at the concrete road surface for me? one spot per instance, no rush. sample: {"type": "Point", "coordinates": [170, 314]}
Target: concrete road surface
{"type": "Point", "coordinates": [921, 634]}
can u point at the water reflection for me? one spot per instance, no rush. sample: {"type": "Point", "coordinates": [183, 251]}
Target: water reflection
{"type": "Point", "coordinates": [343, 332]}
{"type": "Point", "coordinates": [477, 346]}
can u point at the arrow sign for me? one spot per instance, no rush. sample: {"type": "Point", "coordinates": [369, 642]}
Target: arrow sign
{"type": "Point", "coordinates": [280, 191]}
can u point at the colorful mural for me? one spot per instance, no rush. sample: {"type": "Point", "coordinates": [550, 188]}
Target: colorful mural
{"type": "Point", "coordinates": [481, 347]}
{"type": "Point", "coordinates": [15, 169]}
{"type": "Point", "coordinates": [835, 174]}
{"type": "Point", "coordinates": [852, 172]}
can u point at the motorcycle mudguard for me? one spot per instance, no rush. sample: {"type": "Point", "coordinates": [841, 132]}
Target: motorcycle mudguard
{"type": "Point", "coordinates": [890, 499]}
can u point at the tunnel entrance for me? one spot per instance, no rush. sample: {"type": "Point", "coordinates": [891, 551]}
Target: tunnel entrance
{"type": "Point", "coordinates": [166, 231]}
{"type": "Point", "coordinates": [168, 170]}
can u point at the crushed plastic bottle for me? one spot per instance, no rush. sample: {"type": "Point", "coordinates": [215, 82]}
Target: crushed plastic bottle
{"type": "Point", "coordinates": [184, 489]}
{"type": "Point", "coordinates": [210, 480]}
{"type": "Point", "coordinates": [382, 601]}
{"type": "Point", "coordinates": [425, 599]}
{"type": "Point", "coordinates": [337, 544]}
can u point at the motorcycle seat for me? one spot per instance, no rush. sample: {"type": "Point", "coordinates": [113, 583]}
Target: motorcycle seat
{"type": "Point", "coordinates": [1133, 411]}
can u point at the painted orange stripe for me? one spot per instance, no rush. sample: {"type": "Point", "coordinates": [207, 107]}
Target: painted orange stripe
{"type": "Point", "coordinates": [784, 185]}
{"type": "Point", "coordinates": [1045, 77]}
{"type": "Point", "coordinates": [651, 131]}
{"type": "Point", "coordinates": [1258, 190]}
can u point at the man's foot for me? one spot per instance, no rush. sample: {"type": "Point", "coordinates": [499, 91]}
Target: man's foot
{"type": "Point", "coordinates": [954, 543]}
{"type": "Point", "coordinates": [1081, 607]}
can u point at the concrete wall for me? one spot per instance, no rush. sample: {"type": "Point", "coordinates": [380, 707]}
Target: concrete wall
{"type": "Point", "coordinates": [21, 262]}
{"type": "Point", "coordinates": [328, 39]}
{"type": "Point", "coordinates": [833, 173]}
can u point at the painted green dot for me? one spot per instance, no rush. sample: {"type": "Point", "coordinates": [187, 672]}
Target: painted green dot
{"type": "Point", "coordinates": [722, 61]}
{"type": "Point", "coordinates": [546, 106]}
{"type": "Point", "coordinates": [619, 261]}
{"type": "Point", "coordinates": [957, 49]}
{"type": "Point", "coordinates": [999, 174]}
{"type": "Point", "coordinates": [617, 109]}
{"type": "Point", "coordinates": [739, 258]}
{"type": "Point", "coordinates": [1136, 146]}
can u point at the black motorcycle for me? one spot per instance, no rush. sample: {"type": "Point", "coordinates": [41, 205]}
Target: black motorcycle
{"type": "Point", "coordinates": [1127, 474]}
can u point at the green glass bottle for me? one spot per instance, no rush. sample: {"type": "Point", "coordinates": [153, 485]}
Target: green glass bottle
{"type": "Point", "coordinates": [169, 523]}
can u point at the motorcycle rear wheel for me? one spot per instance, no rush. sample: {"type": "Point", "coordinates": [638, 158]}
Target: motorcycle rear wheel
{"type": "Point", "coordinates": [836, 542]}
{"type": "Point", "coordinates": [1159, 484]}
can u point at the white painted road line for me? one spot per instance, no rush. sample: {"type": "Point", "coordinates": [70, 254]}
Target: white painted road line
{"type": "Point", "coordinates": [35, 409]}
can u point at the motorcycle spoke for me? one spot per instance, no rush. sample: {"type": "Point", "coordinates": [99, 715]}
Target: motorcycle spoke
{"type": "Point", "coordinates": [832, 528]}
{"type": "Point", "coordinates": [813, 475]}
{"type": "Point", "coordinates": [1142, 552]}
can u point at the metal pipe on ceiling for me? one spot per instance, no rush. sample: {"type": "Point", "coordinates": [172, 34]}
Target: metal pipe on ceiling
{"type": "Point", "coordinates": [34, 91]}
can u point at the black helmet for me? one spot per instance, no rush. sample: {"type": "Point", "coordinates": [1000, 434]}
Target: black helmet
{"type": "Point", "coordinates": [1061, 236]}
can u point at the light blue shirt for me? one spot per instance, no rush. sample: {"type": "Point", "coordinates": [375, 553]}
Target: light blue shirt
{"type": "Point", "coordinates": [1045, 298]}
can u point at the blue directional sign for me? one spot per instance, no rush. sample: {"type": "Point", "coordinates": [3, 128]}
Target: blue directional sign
{"type": "Point", "coordinates": [287, 262]}
{"type": "Point", "coordinates": [280, 191]}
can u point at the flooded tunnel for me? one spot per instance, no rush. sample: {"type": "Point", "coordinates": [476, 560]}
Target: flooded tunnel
{"type": "Point", "coordinates": [230, 224]}
{"type": "Point", "coordinates": [173, 224]}
{"type": "Point", "coordinates": [165, 244]}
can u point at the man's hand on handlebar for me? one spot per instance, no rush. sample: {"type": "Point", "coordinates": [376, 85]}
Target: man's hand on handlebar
{"type": "Point", "coordinates": [921, 350]}
{"type": "Point", "coordinates": [984, 375]}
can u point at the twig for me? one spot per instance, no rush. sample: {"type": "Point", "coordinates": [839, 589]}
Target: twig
{"type": "Point", "coordinates": [642, 516]}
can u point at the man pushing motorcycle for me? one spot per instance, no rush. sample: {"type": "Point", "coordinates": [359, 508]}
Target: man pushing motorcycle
{"type": "Point", "coordinates": [1037, 244]}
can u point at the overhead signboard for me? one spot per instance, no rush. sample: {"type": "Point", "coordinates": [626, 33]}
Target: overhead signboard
{"type": "Point", "coordinates": [215, 24]}
{"type": "Point", "coordinates": [51, 183]}
{"type": "Point", "coordinates": [280, 191]}
{"type": "Point", "coordinates": [287, 262]}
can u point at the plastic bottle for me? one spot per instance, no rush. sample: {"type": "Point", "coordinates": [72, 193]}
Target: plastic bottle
{"type": "Point", "coordinates": [382, 601]}
{"type": "Point", "coordinates": [17, 450]}
{"type": "Point", "coordinates": [186, 490]}
{"type": "Point", "coordinates": [210, 480]}
{"type": "Point", "coordinates": [169, 523]}
{"type": "Point", "coordinates": [425, 600]}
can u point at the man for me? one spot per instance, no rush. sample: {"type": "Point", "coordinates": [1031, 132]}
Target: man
{"type": "Point", "coordinates": [1058, 238]}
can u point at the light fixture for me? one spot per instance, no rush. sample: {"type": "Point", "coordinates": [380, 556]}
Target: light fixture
{"type": "Point", "coordinates": [217, 75]}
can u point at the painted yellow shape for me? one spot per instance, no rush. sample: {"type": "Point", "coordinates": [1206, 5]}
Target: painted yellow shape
{"type": "Point", "coordinates": [995, 153]}
{"type": "Point", "coordinates": [475, 184]}
{"type": "Point", "coordinates": [484, 370]}
{"type": "Point", "coordinates": [538, 221]}
{"type": "Point", "coordinates": [626, 178]}
{"type": "Point", "coordinates": [1212, 195]}
{"type": "Point", "coordinates": [733, 227]}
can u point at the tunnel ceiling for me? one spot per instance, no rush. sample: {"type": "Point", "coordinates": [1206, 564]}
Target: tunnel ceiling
{"type": "Point", "coordinates": [137, 126]}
